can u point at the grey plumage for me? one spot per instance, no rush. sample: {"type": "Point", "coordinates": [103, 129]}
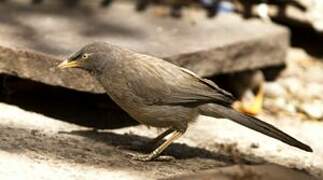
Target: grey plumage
{"type": "Point", "coordinates": [160, 94]}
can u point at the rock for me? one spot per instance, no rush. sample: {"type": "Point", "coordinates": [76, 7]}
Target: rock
{"type": "Point", "coordinates": [314, 15]}
{"type": "Point", "coordinates": [260, 172]}
{"type": "Point", "coordinates": [274, 90]}
{"type": "Point", "coordinates": [280, 104]}
{"type": "Point", "coordinates": [293, 85]}
{"type": "Point", "coordinates": [209, 46]}
{"type": "Point", "coordinates": [314, 90]}
{"type": "Point", "coordinates": [313, 110]}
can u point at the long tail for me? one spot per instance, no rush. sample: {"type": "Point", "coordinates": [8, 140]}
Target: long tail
{"type": "Point", "coordinates": [216, 110]}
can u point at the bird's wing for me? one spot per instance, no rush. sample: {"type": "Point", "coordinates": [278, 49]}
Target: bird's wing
{"type": "Point", "coordinates": [160, 82]}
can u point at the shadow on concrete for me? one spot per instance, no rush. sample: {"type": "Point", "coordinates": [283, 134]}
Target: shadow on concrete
{"type": "Point", "coordinates": [141, 144]}
{"type": "Point", "coordinates": [85, 109]}
{"type": "Point", "coordinates": [107, 150]}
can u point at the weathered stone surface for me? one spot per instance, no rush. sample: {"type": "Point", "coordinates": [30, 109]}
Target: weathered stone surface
{"type": "Point", "coordinates": [34, 39]}
{"type": "Point", "coordinates": [261, 172]}
{"type": "Point", "coordinates": [34, 146]}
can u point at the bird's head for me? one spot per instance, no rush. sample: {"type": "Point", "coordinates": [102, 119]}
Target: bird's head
{"type": "Point", "coordinates": [91, 57]}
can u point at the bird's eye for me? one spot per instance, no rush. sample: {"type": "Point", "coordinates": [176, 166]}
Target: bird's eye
{"type": "Point", "coordinates": [84, 56]}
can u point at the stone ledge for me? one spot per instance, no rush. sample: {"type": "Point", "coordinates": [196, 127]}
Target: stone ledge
{"type": "Point", "coordinates": [34, 39]}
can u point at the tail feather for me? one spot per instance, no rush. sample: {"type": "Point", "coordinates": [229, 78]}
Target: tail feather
{"type": "Point", "coordinates": [216, 110]}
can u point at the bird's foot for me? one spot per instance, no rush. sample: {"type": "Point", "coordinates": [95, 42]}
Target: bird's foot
{"type": "Point", "coordinates": [142, 157]}
{"type": "Point", "coordinates": [150, 157]}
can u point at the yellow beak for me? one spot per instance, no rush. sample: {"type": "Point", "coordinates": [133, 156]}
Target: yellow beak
{"type": "Point", "coordinates": [67, 64]}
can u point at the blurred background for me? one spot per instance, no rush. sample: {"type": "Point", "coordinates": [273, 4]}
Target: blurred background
{"type": "Point", "coordinates": [61, 124]}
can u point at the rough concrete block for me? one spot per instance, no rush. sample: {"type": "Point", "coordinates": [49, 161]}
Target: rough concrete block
{"type": "Point", "coordinates": [34, 39]}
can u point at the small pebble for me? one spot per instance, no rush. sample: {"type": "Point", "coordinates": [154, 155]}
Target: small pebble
{"type": "Point", "coordinates": [280, 104]}
{"type": "Point", "coordinates": [35, 132]}
{"type": "Point", "coordinates": [274, 90]}
{"type": "Point", "coordinates": [293, 85]}
{"type": "Point", "coordinates": [313, 110]}
{"type": "Point", "coordinates": [254, 145]}
{"type": "Point", "coordinates": [314, 90]}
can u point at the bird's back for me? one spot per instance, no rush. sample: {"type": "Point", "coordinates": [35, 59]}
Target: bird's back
{"type": "Point", "coordinates": [154, 81]}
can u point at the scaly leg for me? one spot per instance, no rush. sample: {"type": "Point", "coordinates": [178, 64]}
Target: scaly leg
{"type": "Point", "coordinates": [161, 136]}
{"type": "Point", "coordinates": [160, 149]}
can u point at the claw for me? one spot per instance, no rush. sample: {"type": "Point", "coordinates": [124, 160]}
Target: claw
{"type": "Point", "coordinates": [142, 157]}
{"type": "Point", "coordinates": [149, 157]}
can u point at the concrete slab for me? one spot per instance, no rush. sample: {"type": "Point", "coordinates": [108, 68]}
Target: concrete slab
{"type": "Point", "coordinates": [34, 39]}
{"type": "Point", "coordinates": [34, 146]}
{"type": "Point", "coordinates": [260, 172]}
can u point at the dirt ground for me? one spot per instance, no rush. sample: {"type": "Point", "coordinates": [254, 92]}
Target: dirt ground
{"type": "Point", "coordinates": [34, 146]}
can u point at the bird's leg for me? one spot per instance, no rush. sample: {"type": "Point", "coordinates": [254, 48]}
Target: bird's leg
{"type": "Point", "coordinates": [161, 136]}
{"type": "Point", "coordinates": [160, 149]}
{"type": "Point", "coordinates": [255, 106]}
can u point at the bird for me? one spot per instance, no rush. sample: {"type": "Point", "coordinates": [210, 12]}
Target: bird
{"type": "Point", "coordinates": [160, 94]}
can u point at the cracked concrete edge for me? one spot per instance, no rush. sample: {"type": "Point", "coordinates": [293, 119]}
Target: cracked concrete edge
{"type": "Point", "coordinates": [40, 67]}
{"type": "Point", "coordinates": [245, 55]}
{"type": "Point", "coordinates": [254, 53]}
